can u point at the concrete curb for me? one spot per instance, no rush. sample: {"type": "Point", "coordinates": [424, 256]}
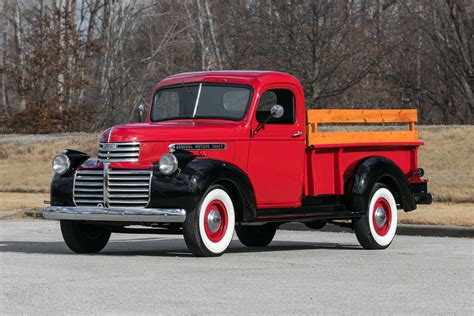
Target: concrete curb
{"type": "Point", "coordinates": [403, 229]}
{"type": "Point", "coordinates": [10, 215]}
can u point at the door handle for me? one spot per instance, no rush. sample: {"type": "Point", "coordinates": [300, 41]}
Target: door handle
{"type": "Point", "coordinates": [298, 133]}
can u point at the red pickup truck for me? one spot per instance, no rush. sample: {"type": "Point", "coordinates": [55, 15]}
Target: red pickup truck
{"type": "Point", "coordinates": [229, 150]}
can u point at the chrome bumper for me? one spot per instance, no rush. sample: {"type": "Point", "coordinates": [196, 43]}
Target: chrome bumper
{"type": "Point", "coordinates": [115, 214]}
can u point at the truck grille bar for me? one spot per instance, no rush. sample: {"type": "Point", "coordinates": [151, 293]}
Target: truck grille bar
{"type": "Point", "coordinates": [112, 188]}
{"type": "Point", "coordinates": [119, 152]}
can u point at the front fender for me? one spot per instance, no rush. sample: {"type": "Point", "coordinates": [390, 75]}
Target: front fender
{"type": "Point", "coordinates": [62, 185]}
{"type": "Point", "coordinates": [61, 189]}
{"type": "Point", "coordinates": [185, 188]}
{"type": "Point", "coordinates": [380, 169]}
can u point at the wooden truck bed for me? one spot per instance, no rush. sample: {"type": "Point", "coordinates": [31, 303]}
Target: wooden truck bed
{"type": "Point", "coordinates": [316, 138]}
{"type": "Point", "coordinates": [331, 157]}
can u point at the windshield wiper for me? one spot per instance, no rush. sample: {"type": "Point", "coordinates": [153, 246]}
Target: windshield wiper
{"type": "Point", "coordinates": [196, 98]}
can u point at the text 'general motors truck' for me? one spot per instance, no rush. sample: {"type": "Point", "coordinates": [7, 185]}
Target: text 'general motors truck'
{"type": "Point", "coordinates": [236, 150]}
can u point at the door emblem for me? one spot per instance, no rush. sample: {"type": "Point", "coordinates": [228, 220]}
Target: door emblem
{"type": "Point", "coordinates": [200, 146]}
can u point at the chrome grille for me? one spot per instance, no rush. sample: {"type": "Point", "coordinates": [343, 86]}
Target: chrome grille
{"type": "Point", "coordinates": [89, 188]}
{"type": "Point", "coordinates": [119, 152]}
{"type": "Point", "coordinates": [118, 188]}
{"type": "Point", "coordinates": [128, 188]}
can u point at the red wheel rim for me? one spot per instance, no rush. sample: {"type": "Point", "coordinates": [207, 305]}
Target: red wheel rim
{"type": "Point", "coordinates": [214, 208]}
{"type": "Point", "coordinates": [382, 205]}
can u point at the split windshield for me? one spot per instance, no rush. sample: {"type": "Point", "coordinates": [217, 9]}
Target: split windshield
{"type": "Point", "coordinates": [201, 100]}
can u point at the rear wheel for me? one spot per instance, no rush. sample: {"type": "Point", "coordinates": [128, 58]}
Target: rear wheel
{"type": "Point", "coordinates": [377, 228]}
{"type": "Point", "coordinates": [84, 238]}
{"type": "Point", "coordinates": [256, 236]}
{"type": "Point", "coordinates": [208, 230]}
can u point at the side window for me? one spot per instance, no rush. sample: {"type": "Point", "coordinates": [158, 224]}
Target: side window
{"type": "Point", "coordinates": [282, 97]}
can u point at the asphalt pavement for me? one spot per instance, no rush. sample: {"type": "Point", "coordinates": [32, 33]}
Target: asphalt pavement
{"type": "Point", "coordinates": [301, 272]}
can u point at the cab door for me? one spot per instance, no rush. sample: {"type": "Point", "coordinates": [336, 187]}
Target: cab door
{"type": "Point", "coordinates": [276, 154]}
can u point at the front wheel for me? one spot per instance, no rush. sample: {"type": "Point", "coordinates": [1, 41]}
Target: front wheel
{"type": "Point", "coordinates": [376, 229]}
{"type": "Point", "coordinates": [84, 238]}
{"type": "Point", "coordinates": [208, 230]}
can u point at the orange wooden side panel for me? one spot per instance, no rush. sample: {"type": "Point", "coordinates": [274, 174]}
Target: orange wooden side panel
{"type": "Point", "coordinates": [362, 116]}
{"type": "Point", "coordinates": [362, 137]}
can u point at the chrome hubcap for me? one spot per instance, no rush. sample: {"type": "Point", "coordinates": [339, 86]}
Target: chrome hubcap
{"type": "Point", "coordinates": [214, 220]}
{"type": "Point", "coordinates": [380, 216]}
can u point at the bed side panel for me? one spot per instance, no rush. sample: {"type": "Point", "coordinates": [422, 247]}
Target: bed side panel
{"type": "Point", "coordinates": [329, 168]}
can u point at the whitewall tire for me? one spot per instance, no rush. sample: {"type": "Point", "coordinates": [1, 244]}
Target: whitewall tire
{"type": "Point", "coordinates": [377, 228]}
{"type": "Point", "coordinates": [209, 229]}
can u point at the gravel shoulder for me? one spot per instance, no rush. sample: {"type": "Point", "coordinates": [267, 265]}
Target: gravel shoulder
{"type": "Point", "coordinates": [301, 272]}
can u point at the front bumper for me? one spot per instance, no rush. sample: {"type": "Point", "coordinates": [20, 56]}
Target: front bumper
{"type": "Point", "coordinates": [114, 214]}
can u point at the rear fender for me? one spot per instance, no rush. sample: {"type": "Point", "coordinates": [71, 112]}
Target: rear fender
{"type": "Point", "coordinates": [383, 170]}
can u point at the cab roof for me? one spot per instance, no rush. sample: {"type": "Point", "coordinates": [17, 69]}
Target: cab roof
{"type": "Point", "coordinates": [249, 77]}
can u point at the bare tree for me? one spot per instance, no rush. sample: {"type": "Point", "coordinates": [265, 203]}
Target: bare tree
{"type": "Point", "coordinates": [437, 34]}
{"type": "Point", "coordinates": [91, 61]}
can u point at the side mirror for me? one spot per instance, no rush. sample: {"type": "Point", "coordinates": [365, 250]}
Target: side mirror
{"type": "Point", "coordinates": [140, 111]}
{"type": "Point", "coordinates": [276, 111]}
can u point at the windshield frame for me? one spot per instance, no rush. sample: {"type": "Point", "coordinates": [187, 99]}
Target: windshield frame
{"type": "Point", "coordinates": [203, 83]}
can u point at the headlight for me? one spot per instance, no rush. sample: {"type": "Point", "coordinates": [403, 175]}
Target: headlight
{"type": "Point", "coordinates": [61, 164]}
{"type": "Point", "coordinates": [168, 164]}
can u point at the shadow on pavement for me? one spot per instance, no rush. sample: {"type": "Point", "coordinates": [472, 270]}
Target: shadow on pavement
{"type": "Point", "coordinates": [160, 247]}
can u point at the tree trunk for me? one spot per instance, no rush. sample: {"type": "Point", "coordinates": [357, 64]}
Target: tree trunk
{"type": "Point", "coordinates": [206, 64]}
{"type": "Point", "coordinates": [71, 43]}
{"type": "Point", "coordinates": [215, 44]}
{"type": "Point", "coordinates": [85, 49]}
{"type": "Point", "coordinates": [21, 54]}
{"type": "Point", "coordinates": [5, 104]}
{"type": "Point", "coordinates": [62, 48]}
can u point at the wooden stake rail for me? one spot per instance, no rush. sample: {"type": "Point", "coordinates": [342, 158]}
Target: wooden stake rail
{"type": "Point", "coordinates": [315, 117]}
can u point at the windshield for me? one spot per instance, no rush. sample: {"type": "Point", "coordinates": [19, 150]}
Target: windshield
{"type": "Point", "coordinates": [201, 100]}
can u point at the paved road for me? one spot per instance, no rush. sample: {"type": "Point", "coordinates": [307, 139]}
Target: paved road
{"type": "Point", "coordinates": [300, 273]}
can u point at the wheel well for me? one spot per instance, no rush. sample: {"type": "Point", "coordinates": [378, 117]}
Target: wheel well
{"type": "Point", "coordinates": [394, 187]}
{"type": "Point", "coordinates": [235, 196]}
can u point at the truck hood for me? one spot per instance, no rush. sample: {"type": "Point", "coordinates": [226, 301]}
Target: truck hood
{"type": "Point", "coordinates": [177, 130]}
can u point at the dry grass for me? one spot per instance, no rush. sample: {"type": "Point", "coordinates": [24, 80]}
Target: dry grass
{"type": "Point", "coordinates": [21, 201]}
{"type": "Point", "coordinates": [457, 214]}
{"type": "Point", "coordinates": [25, 166]}
{"type": "Point", "coordinates": [25, 161]}
{"type": "Point", "coordinates": [448, 162]}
